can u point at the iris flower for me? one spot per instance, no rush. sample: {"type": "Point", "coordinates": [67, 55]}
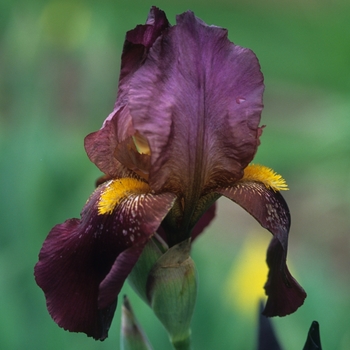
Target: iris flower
{"type": "Point", "coordinates": [184, 129]}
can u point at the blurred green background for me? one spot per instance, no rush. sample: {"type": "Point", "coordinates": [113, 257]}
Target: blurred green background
{"type": "Point", "coordinates": [59, 66]}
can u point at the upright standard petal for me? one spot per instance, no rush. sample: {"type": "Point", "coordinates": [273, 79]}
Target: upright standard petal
{"type": "Point", "coordinates": [197, 99]}
{"type": "Point", "coordinates": [79, 257]}
{"type": "Point", "coordinates": [137, 43]}
{"type": "Point", "coordinates": [267, 206]}
{"type": "Point", "coordinates": [101, 146]}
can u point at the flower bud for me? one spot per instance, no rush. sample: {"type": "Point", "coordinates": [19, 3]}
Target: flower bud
{"type": "Point", "coordinates": [172, 291]}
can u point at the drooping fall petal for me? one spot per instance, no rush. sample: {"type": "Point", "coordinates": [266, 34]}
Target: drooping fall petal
{"type": "Point", "coordinates": [69, 272]}
{"type": "Point", "coordinates": [269, 208]}
{"type": "Point", "coordinates": [78, 256]}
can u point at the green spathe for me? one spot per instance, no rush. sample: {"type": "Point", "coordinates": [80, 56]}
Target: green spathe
{"type": "Point", "coordinates": [172, 291]}
{"type": "Point", "coordinates": [132, 336]}
{"type": "Point", "coordinates": [139, 274]}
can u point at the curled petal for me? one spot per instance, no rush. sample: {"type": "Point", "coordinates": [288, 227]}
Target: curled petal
{"type": "Point", "coordinates": [269, 208]}
{"type": "Point", "coordinates": [100, 147]}
{"type": "Point", "coordinates": [79, 258]}
{"type": "Point", "coordinates": [197, 99]}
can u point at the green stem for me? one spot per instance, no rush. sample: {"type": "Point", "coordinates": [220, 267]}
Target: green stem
{"type": "Point", "coordinates": [184, 344]}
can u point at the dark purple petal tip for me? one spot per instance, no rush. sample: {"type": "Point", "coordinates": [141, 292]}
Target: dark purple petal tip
{"type": "Point", "coordinates": [146, 34]}
{"type": "Point", "coordinates": [285, 295]}
{"type": "Point", "coordinates": [70, 268]}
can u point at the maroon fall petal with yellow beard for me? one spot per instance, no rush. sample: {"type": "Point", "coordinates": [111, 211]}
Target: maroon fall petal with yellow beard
{"type": "Point", "coordinates": [83, 263]}
{"type": "Point", "coordinates": [269, 208]}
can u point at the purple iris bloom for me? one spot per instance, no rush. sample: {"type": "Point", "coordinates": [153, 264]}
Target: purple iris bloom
{"type": "Point", "coordinates": [183, 131]}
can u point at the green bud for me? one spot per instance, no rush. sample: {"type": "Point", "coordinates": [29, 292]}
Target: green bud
{"type": "Point", "coordinates": [172, 291]}
{"type": "Point", "coordinates": [139, 274]}
{"type": "Point", "coordinates": [132, 336]}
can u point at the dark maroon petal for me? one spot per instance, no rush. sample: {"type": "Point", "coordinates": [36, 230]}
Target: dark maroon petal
{"type": "Point", "coordinates": [72, 263]}
{"type": "Point", "coordinates": [197, 99]}
{"type": "Point", "coordinates": [269, 208]}
{"type": "Point", "coordinates": [113, 157]}
{"type": "Point", "coordinates": [139, 216]}
{"type": "Point", "coordinates": [101, 145]}
{"type": "Point", "coordinates": [113, 282]}
{"type": "Point", "coordinates": [137, 43]}
{"type": "Point", "coordinates": [285, 294]}
{"type": "Point", "coordinates": [79, 254]}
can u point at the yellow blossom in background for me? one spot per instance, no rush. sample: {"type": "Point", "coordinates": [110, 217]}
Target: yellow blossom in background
{"type": "Point", "coordinates": [245, 283]}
